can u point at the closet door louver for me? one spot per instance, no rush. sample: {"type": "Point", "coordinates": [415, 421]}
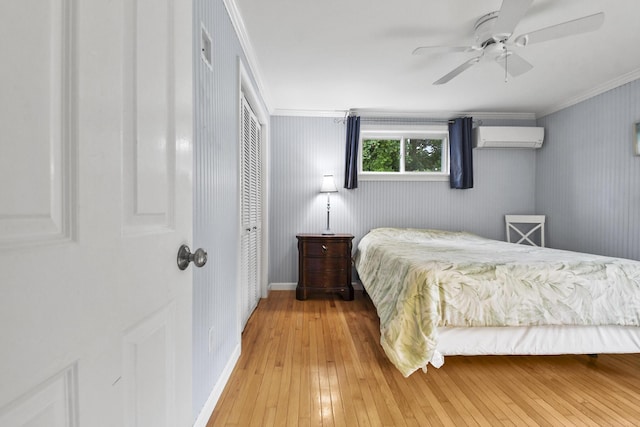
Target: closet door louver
{"type": "Point", "coordinates": [251, 200]}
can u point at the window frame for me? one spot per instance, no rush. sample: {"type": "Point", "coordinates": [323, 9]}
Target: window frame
{"type": "Point", "coordinates": [402, 132]}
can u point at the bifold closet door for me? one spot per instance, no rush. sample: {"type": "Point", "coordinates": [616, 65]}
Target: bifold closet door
{"type": "Point", "coordinates": [251, 200]}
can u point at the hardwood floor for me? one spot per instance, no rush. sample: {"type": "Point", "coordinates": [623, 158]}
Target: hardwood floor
{"type": "Point", "coordinates": [319, 363]}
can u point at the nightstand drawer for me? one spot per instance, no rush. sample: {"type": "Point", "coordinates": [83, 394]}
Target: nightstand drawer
{"type": "Point", "coordinates": [323, 263]}
{"type": "Point", "coordinates": [324, 278]}
{"type": "Point", "coordinates": [325, 249]}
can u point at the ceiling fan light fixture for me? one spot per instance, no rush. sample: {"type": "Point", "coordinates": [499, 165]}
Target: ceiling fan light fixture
{"type": "Point", "coordinates": [495, 50]}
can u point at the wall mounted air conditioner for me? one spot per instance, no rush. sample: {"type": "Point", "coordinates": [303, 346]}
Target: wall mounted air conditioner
{"type": "Point", "coordinates": [508, 137]}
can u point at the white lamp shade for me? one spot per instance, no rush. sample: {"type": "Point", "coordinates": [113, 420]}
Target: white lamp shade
{"type": "Point", "coordinates": [328, 185]}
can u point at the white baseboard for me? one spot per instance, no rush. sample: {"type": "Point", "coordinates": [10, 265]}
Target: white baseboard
{"type": "Point", "coordinates": [292, 286]}
{"type": "Point", "coordinates": [210, 404]}
{"type": "Point", "coordinates": [282, 286]}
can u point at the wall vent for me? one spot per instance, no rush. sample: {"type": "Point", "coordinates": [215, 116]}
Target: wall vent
{"type": "Point", "coordinates": [206, 47]}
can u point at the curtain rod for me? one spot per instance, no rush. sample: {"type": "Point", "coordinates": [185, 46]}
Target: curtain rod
{"type": "Point", "coordinates": [404, 119]}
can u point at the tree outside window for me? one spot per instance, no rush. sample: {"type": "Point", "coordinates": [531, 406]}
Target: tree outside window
{"type": "Point", "coordinates": [408, 154]}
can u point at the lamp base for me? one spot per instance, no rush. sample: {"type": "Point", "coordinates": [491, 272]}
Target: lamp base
{"type": "Point", "coordinates": [328, 232]}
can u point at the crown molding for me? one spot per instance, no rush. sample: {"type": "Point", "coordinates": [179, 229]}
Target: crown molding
{"type": "Point", "coordinates": [597, 90]}
{"type": "Point", "coordinates": [310, 113]}
{"type": "Point", "coordinates": [364, 112]}
{"type": "Point", "coordinates": [443, 115]}
{"type": "Point", "coordinates": [247, 48]}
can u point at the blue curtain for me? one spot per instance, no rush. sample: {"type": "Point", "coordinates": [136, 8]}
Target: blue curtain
{"type": "Point", "coordinates": [461, 153]}
{"type": "Point", "coordinates": [351, 157]}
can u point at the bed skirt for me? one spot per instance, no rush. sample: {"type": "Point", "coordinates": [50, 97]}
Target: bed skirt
{"type": "Point", "coordinates": [538, 340]}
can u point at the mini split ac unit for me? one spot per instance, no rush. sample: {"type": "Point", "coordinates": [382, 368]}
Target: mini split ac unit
{"type": "Point", "coordinates": [508, 137]}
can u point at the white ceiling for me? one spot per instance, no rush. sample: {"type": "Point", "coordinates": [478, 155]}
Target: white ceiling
{"type": "Point", "coordinates": [334, 55]}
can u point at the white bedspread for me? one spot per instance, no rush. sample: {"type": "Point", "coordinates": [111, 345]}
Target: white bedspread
{"type": "Point", "coordinates": [422, 279]}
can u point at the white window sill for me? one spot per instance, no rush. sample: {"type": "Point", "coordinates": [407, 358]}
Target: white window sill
{"type": "Point", "coordinates": [381, 176]}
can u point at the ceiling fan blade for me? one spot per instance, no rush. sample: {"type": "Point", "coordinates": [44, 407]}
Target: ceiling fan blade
{"type": "Point", "coordinates": [426, 50]}
{"type": "Point", "coordinates": [515, 64]}
{"type": "Point", "coordinates": [457, 70]}
{"type": "Point", "coordinates": [577, 26]}
{"type": "Point", "coordinates": [510, 14]}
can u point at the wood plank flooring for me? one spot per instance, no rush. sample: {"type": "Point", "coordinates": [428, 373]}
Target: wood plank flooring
{"type": "Point", "coordinates": [319, 363]}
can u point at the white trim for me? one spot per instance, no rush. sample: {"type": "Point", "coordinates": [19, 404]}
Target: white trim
{"type": "Point", "coordinates": [395, 129]}
{"type": "Point", "coordinates": [212, 401]}
{"type": "Point", "coordinates": [286, 286]}
{"type": "Point", "coordinates": [443, 115]}
{"type": "Point", "coordinates": [435, 115]}
{"type": "Point", "coordinates": [404, 176]}
{"type": "Point", "coordinates": [595, 91]}
{"type": "Point", "coordinates": [598, 90]}
{"type": "Point", "coordinates": [247, 48]}
{"type": "Point", "coordinates": [310, 113]}
{"type": "Point", "coordinates": [282, 286]}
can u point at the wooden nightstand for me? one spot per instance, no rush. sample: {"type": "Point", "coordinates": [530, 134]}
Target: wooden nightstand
{"type": "Point", "coordinates": [324, 264]}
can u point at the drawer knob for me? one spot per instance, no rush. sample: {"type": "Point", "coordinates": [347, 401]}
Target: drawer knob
{"type": "Point", "coordinates": [324, 248]}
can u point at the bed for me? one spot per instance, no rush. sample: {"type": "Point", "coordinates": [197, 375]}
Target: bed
{"type": "Point", "coordinates": [440, 293]}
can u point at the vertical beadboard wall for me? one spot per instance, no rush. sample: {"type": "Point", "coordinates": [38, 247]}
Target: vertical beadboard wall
{"type": "Point", "coordinates": [216, 204]}
{"type": "Point", "coordinates": [588, 178]}
{"type": "Point", "coordinates": [305, 148]}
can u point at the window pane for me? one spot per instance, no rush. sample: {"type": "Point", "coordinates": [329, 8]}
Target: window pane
{"type": "Point", "coordinates": [423, 155]}
{"type": "Point", "coordinates": [381, 155]}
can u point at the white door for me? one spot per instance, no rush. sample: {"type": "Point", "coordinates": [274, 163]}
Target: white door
{"type": "Point", "coordinates": [251, 210]}
{"type": "Point", "coordinates": [95, 199]}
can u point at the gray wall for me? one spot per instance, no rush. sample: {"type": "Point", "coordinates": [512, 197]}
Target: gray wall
{"type": "Point", "coordinates": [216, 193]}
{"type": "Point", "coordinates": [588, 178]}
{"type": "Point", "coordinates": [304, 148]}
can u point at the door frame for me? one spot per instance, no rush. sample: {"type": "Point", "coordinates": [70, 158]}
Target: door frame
{"type": "Point", "coordinates": [246, 86]}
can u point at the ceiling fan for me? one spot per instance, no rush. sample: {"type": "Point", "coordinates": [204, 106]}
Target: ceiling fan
{"type": "Point", "coordinates": [493, 33]}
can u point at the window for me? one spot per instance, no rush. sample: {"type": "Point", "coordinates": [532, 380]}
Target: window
{"type": "Point", "coordinates": [407, 153]}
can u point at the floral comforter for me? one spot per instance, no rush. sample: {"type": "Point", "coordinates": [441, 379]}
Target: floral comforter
{"type": "Point", "coordinates": [422, 279]}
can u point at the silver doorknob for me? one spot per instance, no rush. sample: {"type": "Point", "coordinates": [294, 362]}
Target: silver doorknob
{"type": "Point", "coordinates": [199, 257]}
